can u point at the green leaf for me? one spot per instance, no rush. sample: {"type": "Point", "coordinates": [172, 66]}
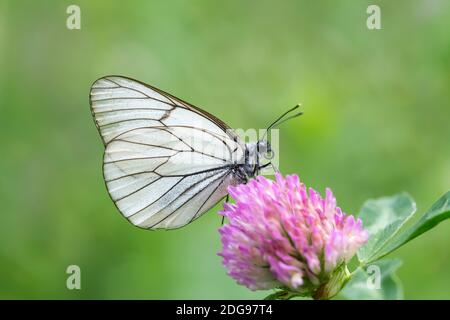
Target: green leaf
{"type": "Point", "coordinates": [438, 212]}
{"type": "Point", "coordinates": [383, 218]}
{"type": "Point", "coordinates": [377, 281]}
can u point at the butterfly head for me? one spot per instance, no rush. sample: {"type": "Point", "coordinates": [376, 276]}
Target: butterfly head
{"type": "Point", "coordinates": [257, 156]}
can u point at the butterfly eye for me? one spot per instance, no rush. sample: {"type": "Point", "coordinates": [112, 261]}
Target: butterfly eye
{"type": "Point", "coordinates": [269, 155]}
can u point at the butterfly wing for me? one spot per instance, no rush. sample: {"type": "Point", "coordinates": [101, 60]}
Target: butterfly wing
{"type": "Point", "coordinates": [166, 162]}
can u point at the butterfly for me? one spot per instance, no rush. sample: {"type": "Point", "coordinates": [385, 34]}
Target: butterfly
{"type": "Point", "coordinates": [166, 162]}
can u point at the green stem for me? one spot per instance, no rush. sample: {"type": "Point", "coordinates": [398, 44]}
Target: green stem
{"type": "Point", "coordinates": [281, 295]}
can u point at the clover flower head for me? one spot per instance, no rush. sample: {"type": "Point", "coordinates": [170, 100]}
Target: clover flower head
{"type": "Point", "coordinates": [281, 235]}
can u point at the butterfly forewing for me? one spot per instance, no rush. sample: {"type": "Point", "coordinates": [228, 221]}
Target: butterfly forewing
{"type": "Point", "coordinates": [166, 162]}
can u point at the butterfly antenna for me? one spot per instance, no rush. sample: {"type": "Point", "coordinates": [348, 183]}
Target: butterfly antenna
{"type": "Point", "coordinates": [280, 119]}
{"type": "Point", "coordinates": [289, 118]}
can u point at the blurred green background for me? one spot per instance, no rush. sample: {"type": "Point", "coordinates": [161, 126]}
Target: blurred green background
{"type": "Point", "coordinates": [377, 110]}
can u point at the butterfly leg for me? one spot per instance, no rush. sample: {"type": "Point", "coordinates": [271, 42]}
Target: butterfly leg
{"type": "Point", "coordinates": [223, 217]}
{"type": "Point", "coordinates": [275, 169]}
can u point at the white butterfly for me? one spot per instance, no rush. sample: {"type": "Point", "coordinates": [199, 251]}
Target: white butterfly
{"type": "Point", "coordinates": [166, 162]}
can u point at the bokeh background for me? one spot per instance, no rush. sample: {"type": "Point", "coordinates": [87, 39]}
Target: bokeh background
{"type": "Point", "coordinates": [376, 103]}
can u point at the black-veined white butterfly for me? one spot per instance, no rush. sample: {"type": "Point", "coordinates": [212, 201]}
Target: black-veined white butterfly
{"type": "Point", "coordinates": [166, 162]}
